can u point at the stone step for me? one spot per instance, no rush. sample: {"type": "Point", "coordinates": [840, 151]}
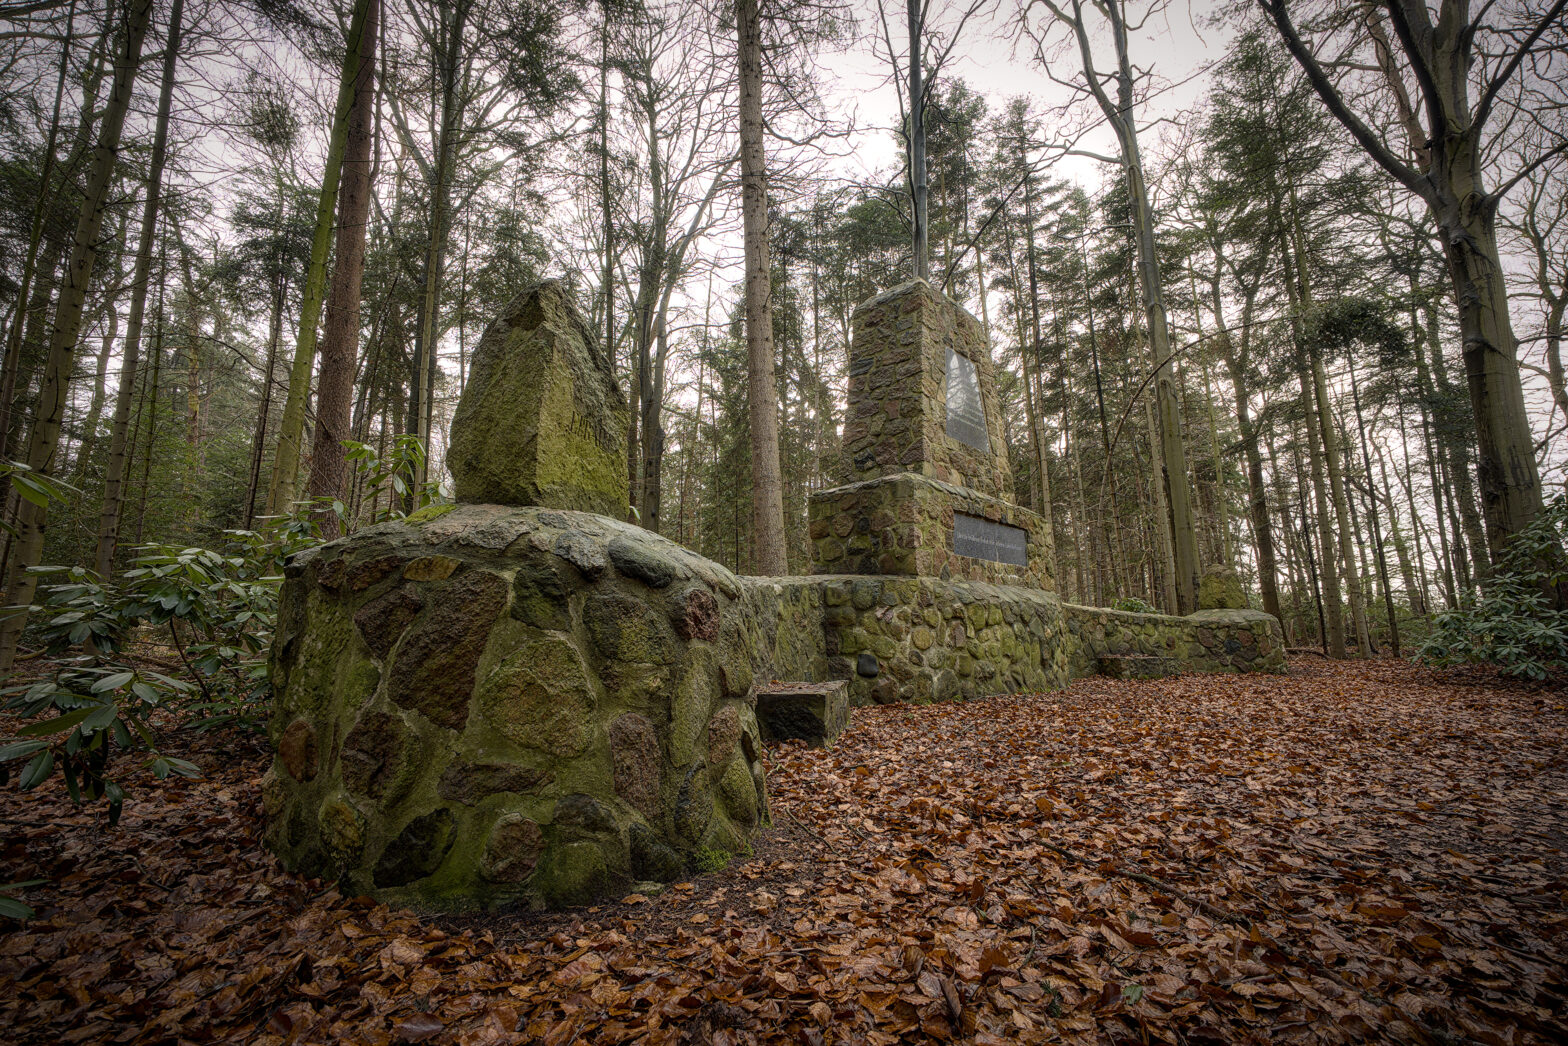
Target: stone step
{"type": "Point", "coordinates": [812, 712]}
{"type": "Point", "coordinates": [1138, 666]}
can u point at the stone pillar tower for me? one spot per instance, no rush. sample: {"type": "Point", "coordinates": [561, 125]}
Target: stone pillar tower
{"type": "Point", "coordinates": [931, 491]}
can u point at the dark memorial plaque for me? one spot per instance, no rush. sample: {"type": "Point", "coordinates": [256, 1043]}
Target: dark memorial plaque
{"type": "Point", "coordinates": [965, 412]}
{"type": "Point", "coordinates": [982, 539]}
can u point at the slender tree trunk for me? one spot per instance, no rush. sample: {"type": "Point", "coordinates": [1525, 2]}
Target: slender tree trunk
{"type": "Point", "coordinates": [919, 186]}
{"type": "Point", "coordinates": [1119, 113]}
{"type": "Point", "coordinates": [24, 294]}
{"type": "Point", "coordinates": [449, 62]}
{"type": "Point", "coordinates": [44, 440]}
{"type": "Point", "coordinates": [1327, 603]}
{"type": "Point", "coordinates": [653, 434]}
{"type": "Point", "coordinates": [340, 340]}
{"type": "Point", "coordinates": [1031, 355]}
{"type": "Point", "coordinates": [1333, 599]}
{"type": "Point", "coordinates": [144, 494]}
{"type": "Point", "coordinates": [1336, 479]}
{"type": "Point", "coordinates": [767, 500]}
{"type": "Point", "coordinates": [1372, 511]}
{"type": "Point", "coordinates": [1170, 590]}
{"type": "Point", "coordinates": [1458, 450]}
{"type": "Point", "coordinates": [284, 487]}
{"type": "Point", "coordinates": [1554, 355]}
{"type": "Point", "coordinates": [115, 468]}
{"type": "Point", "coordinates": [258, 445]}
{"type": "Point", "coordinates": [88, 444]}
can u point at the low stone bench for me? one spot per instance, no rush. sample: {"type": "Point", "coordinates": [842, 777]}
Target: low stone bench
{"type": "Point", "coordinates": [812, 712]}
{"type": "Point", "coordinates": [1138, 666]}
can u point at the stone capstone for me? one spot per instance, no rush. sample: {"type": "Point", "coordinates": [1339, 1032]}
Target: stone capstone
{"type": "Point", "coordinates": [1220, 589]}
{"type": "Point", "coordinates": [541, 420]}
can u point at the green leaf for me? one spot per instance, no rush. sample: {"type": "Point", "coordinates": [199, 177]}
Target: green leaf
{"type": "Point", "coordinates": [113, 682]}
{"type": "Point", "coordinates": [182, 767]}
{"type": "Point", "coordinates": [55, 725]}
{"type": "Point", "coordinates": [20, 749]}
{"type": "Point", "coordinates": [37, 771]}
{"type": "Point", "coordinates": [14, 909]}
{"type": "Point", "coordinates": [100, 719]}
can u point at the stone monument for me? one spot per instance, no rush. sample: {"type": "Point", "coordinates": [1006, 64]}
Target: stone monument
{"type": "Point", "coordinates": [519, 699]}
{"type": "Point", "coordinates": [515, 702]}
{"type": "Point", "coordinates": [931, 491]}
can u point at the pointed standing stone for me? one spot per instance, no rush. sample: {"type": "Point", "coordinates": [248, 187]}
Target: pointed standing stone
{"type": "Point", "coordinates": [541, 420]}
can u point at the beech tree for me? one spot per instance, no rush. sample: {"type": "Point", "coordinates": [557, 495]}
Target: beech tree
{"type": "Point", "coordinates": [1446, 74]}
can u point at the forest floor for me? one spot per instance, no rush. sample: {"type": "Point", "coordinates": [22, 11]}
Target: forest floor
{"type": "Point", "coordinates": [1349, 853]}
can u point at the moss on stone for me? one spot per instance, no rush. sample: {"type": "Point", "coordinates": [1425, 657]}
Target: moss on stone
{"type": "Point", "coordinates": [571, 874]}
{"type": "Point", "coordinates": [428, 513]}
{"type": "Point", "coordinates": [540, 698]}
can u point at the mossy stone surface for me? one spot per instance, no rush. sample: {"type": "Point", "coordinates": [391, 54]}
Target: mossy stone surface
{"type": "Point", "coordinates": [571, 874]}
{"type": "Point", "coordinates": [493, 697]}
{"type": "Point", "coordinates": [541, 420]}
{"type": "Point", "coordinates": [540, 698]}
{"type": "Point", "coordinates": [1220, 589]}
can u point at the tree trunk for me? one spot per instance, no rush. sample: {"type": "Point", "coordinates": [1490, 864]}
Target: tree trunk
{"type": "Point", "coordinates": [87, 446]}
{"type": "Point", "coordinates": [1336, 479]}
{"type": "Point", "coordinates": [919, 187]}
{"type": "Point", "coordinates": [1509, 480]}
{"type": "Point", "coordinates": [1333, 600]}
{"type": "Point", "coordinates": [25, 291]}
{"type": "Point", "coordinates": [423, 405]}
{"type": "Point", "coordinates": [258, 446]}
{"type": "Point", "coordinates": [340, 340]}
{"type": "Point", "coordinates": [284, 487]}
{"type": "Point", "coordinates": [114, 469]}
{"type": "Point", "coordinates": [1030, 354]}
{"type": "Point", "coordinates": [767, 502]}
{"type": "Point", "coordinates": [1372, 510]}
{"type": "Point", "coordinates": [44, 440]}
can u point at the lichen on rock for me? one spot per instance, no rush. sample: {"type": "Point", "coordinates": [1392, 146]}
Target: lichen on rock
{"type": "Point", "coordinates": [518, 705]}
{"type": "Point", "coordinates": [541, 420]}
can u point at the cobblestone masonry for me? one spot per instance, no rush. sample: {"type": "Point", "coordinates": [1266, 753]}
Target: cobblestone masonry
{"type": "Point", "coordinates": [903, 524]}
{"type": "Point", "coordinates": [493, 705]}
{"type": "Point", "coordinates": [926, 639]}
{"type": "Point", "coordinates": [501, 705]}
{"type": "Point", "coordinates": [897, 416]}
{"type": "Point", "coordinates": [513, 705]}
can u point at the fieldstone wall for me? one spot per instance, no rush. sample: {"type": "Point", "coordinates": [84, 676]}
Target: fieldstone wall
{"type": "Point", "coordinates": [897, 415]}
{"type": "Point", "coordinates": [1208, 641]}
{"type": "Point", "coordinates": [915, 639]}
{"type": "Point", "coordinates": [903, 524]}
{"type": "Point", "coordinates": [526, 705]}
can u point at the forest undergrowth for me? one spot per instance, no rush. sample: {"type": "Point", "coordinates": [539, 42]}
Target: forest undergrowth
{"type": "Point", "coordinates": [1354, 852]}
